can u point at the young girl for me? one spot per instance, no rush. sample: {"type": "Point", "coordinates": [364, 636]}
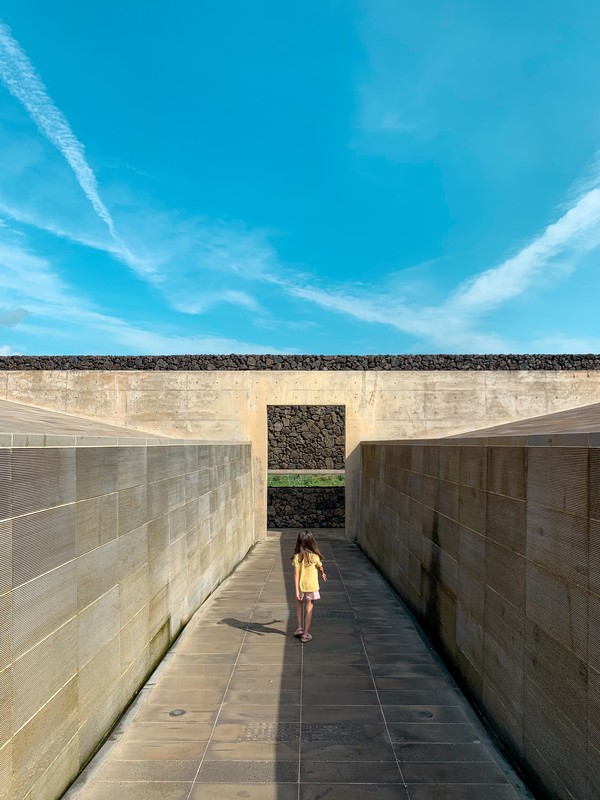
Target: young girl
{"type": "Point", "coordinates": [307, 561]}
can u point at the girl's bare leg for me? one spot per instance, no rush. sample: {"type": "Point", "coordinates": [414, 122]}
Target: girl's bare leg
{"type": "Point", "coordinates": [299, 604]}
{"type": "Point", "coordinates": [308, 615]}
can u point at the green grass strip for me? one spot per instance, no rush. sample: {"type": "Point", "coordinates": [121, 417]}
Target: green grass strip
{"type": "Point", "coordinates": [295, 479]}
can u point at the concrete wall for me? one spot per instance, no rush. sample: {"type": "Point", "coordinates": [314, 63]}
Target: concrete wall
{"type": "Point", "coordinates": [105, 552]}
{"type": "Point", "coordinates": [232, 405]}
{"type": "Point", "coordinates": [497, 551]}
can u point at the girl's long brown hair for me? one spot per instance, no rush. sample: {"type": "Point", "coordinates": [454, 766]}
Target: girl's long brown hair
{"type": "Point", "coordinates": [306, 544]}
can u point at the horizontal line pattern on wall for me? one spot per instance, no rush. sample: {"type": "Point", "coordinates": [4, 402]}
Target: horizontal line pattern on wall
{"type": "Point", "coordinates": [430, 362]}
{"type": "Point", "coordinates": [105, 553]}
{"type": "Point", "coordinates": [497, 551]}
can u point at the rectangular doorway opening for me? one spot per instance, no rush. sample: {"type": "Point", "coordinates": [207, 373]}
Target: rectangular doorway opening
{"type": "Point", "coordinates": [306, 466]}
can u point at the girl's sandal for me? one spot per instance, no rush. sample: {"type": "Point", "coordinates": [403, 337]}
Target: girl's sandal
{"type": "Point", "coordinates": [299, 632]}
{"type": "Point", "coordinates": [306, 637]}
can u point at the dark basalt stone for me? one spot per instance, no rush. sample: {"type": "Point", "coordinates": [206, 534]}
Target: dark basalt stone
{"type": "Point", "coordinates": [305, 507]}
{"type": "Point", "coordinates": [433, 362]}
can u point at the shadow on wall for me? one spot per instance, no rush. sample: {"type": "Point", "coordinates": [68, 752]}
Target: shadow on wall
{"type": "Point", "coordinates": [429, 583]}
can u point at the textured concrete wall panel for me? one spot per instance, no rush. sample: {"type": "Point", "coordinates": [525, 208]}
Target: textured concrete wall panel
{"type": "Point", "coordinates": [42, 671]}
{"type": "Point", "coordinates": [42, 541]}
{"type": "Point", "coordinates": [472, 508]}
{"type": "Point", "coordinates": [6, 578]}
{"type": "Point", "coordinates": [5, 630]}
{"type": "Point", "coordinates": [5, 487]}
{"type": "Point", "coordinates": [95, 522]}
{"type": "Point", "coordinates": [506, 522]}
{"type": "Point", "coordinates": [96, 471]}
{"type": "Point", "coordinates": [559, 608]}
{"type": "Point", "coordinates": [473, 467]}
{"type": "Point", "coordinates": [553, 746]}
{"type": "Point", "coordinates": [42, 478]}
{"type": "Point", "coordinates": [558, 478]}
{"type": "Point", "coordinates": [42, 605]}
{"type": "Point", "coordinates": [507, 470]}
{"type": "Point", "coordinates": [558, 542]}
{"type": "Point", "coordinates": [503, 571]}
{"type": "Point", "coordinates": [103, 564]}
{"type": "Point", "coordinates": [33, 750]}
{"type": "Point", "coordinates": [5, 699]}
{"type": "Point", "coordinates": [98, 624]}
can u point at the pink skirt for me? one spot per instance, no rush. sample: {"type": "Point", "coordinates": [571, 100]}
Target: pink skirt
{"type": "Point", "coordinates": [311, 596]}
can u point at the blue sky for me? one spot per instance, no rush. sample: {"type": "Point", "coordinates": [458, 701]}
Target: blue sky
{"type": "Point", "coordinates": [321, 177]}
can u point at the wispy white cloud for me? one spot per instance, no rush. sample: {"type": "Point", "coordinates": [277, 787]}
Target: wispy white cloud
{"type": "Point", "coordinates": [172, 253]}
{"type": "Point", "coordinates": [195, 264]}
{"type": "Point", "coordinates": [432, 324]}
{"type": "Point", "coordinates": [21, 79]}
{"type": "Point", "coordinates": [53, 304]}
{"type": "Point", "coordinates": [456, 323]}
{"type": "Point", "coordinates": [207, 300]}
{"type": "Point", "coordinates": [572, 235]}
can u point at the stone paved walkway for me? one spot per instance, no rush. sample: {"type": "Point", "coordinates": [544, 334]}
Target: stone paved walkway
{"type": "Point", "coordinates": [241, 709]}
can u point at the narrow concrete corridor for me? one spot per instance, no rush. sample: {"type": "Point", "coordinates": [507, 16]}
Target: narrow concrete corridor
{"type": "Point", "coordinates": [239, 708]}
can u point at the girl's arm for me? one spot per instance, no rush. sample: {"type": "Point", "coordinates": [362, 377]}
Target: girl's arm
{"type": "Point", "coordinates": [322, 571]}
{"type": "Point", "coordinates": [296, 582]}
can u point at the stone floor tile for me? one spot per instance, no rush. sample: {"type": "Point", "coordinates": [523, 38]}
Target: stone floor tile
{"type": "Point", "coordinates": [262, 682]}
{"type": "Point", "coordinates": [364, 791]}
{"type": "Point", "coordinates": [245, 791]}
{"type": "Point", "coordinates": [403, 669]}
{"type": "Point", "coordinates": [445, 772]}
{"type": "Point", "coordinates": [350, 772]}
{"type": "Point", "coordinates": [344, 732]}
{"type": "Point", "coordinates": [152, 771]}
{"type": "Point", "coordinates": [158, 712]}
{"type": "Point", "coordinates": [424, 714]}
{"type": "Point", "coordinates": [436, 733]}
{"type": "Point", "coordinates": [253, 751]}
{"type": "Point", "coordinates": [460, 791]}
{"type": "Point", "coordinates": [182, 697]}
{"type": "Point", "coordinates": [256, 730]}
{"type": "Point", "coordinates": [189, 659]}
{"type": "Point", "coordinates": [446, 697]}
{"type": "Point", "coordinates": [194, 683]}
{"type": "Point", "coordinates": [414, 751]}
{"type": "Point", "coordinates": [413, 683]}
{"type": "Point", "coordinates": [343, 683]}
{"type": "Point", "coordinates": [247, 772]}
{"type": "Point", "coordinates": [317, 697]}
{"type": "Point", "coordinates": [347, 751]}
{"type": "Point", "coordinates": [318, 671]}
{"type": "Point", "coordinates": [98, 790]}
{"type": "Point", "coordinates": [316, 660]}
{"type": "Point", "coordinates": [130, 750]}
{"type": "Point", "coordinates": [340, 714]}
{"type": "Point", "coordinates": [179, 670]}
{"type": "Point", "coordinates": [166, 732]}
{"type": "Point", "coordinates": [260, 698]}
{"type": "Point", "coordinates": [254, 713]}
{"type": "Point", "coordinates": [291, 655]}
